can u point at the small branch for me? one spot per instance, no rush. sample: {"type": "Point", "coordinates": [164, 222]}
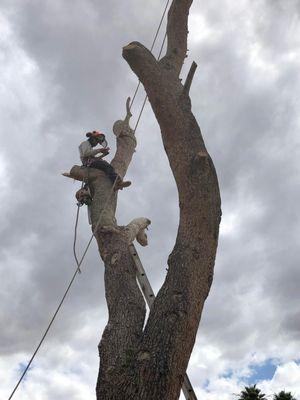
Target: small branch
{"type": "Point", "coordinates": [189, 79]}
{"type": "Point", "coordinates": [121, 127]}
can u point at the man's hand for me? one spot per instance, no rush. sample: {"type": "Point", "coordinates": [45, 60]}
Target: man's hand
{"type": "Point", "coordinates": [105, 151]}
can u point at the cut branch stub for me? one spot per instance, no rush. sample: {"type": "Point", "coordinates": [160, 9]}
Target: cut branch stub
{"type": "Point", "coordinates": [83, 174]}
{"type": "Point", "coordinates": [126, 143]}
{"type": "Point", "coordinates": [136, 230]}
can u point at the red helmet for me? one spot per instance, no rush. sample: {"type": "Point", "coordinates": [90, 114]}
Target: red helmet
{"type": "Point", "coordinates": [95, 134]}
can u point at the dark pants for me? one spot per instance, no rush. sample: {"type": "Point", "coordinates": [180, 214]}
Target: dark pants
{"type": "Point", "coordinates": [105, 167]}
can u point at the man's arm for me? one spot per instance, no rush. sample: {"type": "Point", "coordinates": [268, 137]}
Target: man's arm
{"type": "Point", "coordinates": [87, 151]}
{"type": "Point", "coordinates": [104, 152]}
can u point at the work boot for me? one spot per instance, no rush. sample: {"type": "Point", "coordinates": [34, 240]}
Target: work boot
{"type": "Point", "coordinates": [120, 185]}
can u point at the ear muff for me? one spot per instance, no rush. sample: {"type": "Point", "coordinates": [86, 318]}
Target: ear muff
{"type": "Point", "coordinates": [104, 142]}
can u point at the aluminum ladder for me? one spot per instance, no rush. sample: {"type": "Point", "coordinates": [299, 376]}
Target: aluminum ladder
{"type": "Point", "coordinates": [146, 288]}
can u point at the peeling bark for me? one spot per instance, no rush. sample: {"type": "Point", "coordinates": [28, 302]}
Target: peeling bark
{"type": "Point", "coordinates": [149, 362]}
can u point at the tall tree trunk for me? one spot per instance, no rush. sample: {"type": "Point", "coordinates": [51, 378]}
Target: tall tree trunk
{"type": "Point", "coordinates": [149, 362]}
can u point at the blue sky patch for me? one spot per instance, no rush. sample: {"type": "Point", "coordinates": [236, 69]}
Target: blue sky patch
{"type": "Point", "coordinates": [228, 374]}
{"type": "Point", "coordinates": [21, 369]}
{"type": "Point", "coordinates": [261, 372]}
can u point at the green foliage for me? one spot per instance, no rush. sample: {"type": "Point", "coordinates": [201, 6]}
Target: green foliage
{"type": "Point", "coordinates": [251, 393]}
{"type": "Point", "coordinates": [284, 396]}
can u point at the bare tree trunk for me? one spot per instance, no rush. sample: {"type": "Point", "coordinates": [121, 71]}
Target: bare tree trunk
{"type": "Point", "coordinates": [149, 363]}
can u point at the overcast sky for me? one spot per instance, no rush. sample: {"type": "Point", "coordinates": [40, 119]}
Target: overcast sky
{"type": "Point", "coordinates": [62, 75]}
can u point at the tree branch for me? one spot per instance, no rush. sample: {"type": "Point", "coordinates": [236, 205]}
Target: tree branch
{"type": "Point", "coordinates": [85, 174]}
{"type": "Point", "coordinates": [177, 31]}
{"type": "Point", "coordinates": [189, 79]}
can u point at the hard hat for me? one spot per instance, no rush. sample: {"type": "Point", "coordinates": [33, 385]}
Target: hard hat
{"type": "Point", "coordinates": [95, 134]}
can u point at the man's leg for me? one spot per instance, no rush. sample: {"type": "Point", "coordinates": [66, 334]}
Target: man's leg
{"type": "Point", "coordinates": [105, 167]}
{"type": "Point", "coordinates": [111, 173]}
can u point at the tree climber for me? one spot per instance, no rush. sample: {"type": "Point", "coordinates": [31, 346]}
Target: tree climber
{"type": "Point", "coordinates": [89, 159]}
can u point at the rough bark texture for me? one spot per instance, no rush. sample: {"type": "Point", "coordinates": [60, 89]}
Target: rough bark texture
{"type": "Point", "coordinates": [148, 362]}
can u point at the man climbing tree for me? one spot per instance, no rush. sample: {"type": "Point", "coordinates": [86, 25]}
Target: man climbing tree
{"type": "Point", "coordinates": [89, 157]}
{"type": "Point", "coordinates": [148, 361]}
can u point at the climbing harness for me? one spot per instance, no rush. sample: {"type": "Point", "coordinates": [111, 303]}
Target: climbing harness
{"type": "Point", "coordinates": [83, 196]}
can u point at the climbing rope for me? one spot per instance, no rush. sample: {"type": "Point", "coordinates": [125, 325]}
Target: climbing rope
{"type": "Point", "coordinates": [79, 262]}
{"type": "Point", "coordinates": [75, 232]}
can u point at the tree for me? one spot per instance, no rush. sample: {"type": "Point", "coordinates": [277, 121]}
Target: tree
{"type": "Point", "coordinates": [283, 396]}
{"type": "Point", "coordinates": [149, 362]}
{"type": "Point", "coordinates": [251, 393]}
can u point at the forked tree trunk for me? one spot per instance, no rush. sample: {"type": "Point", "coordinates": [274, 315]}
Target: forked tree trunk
{"type": "Point", "coordinates": [149, 363]}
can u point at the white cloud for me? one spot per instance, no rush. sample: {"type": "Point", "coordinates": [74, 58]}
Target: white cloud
{"type": "Point", "coordinates": [286, 377]}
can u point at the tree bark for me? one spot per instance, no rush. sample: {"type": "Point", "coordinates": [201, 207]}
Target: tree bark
{"type": "Point", "coordinates": [149, 362]}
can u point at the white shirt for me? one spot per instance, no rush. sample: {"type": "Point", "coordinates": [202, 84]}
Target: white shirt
{"type": "Point", "coordinates": [87, 154]}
